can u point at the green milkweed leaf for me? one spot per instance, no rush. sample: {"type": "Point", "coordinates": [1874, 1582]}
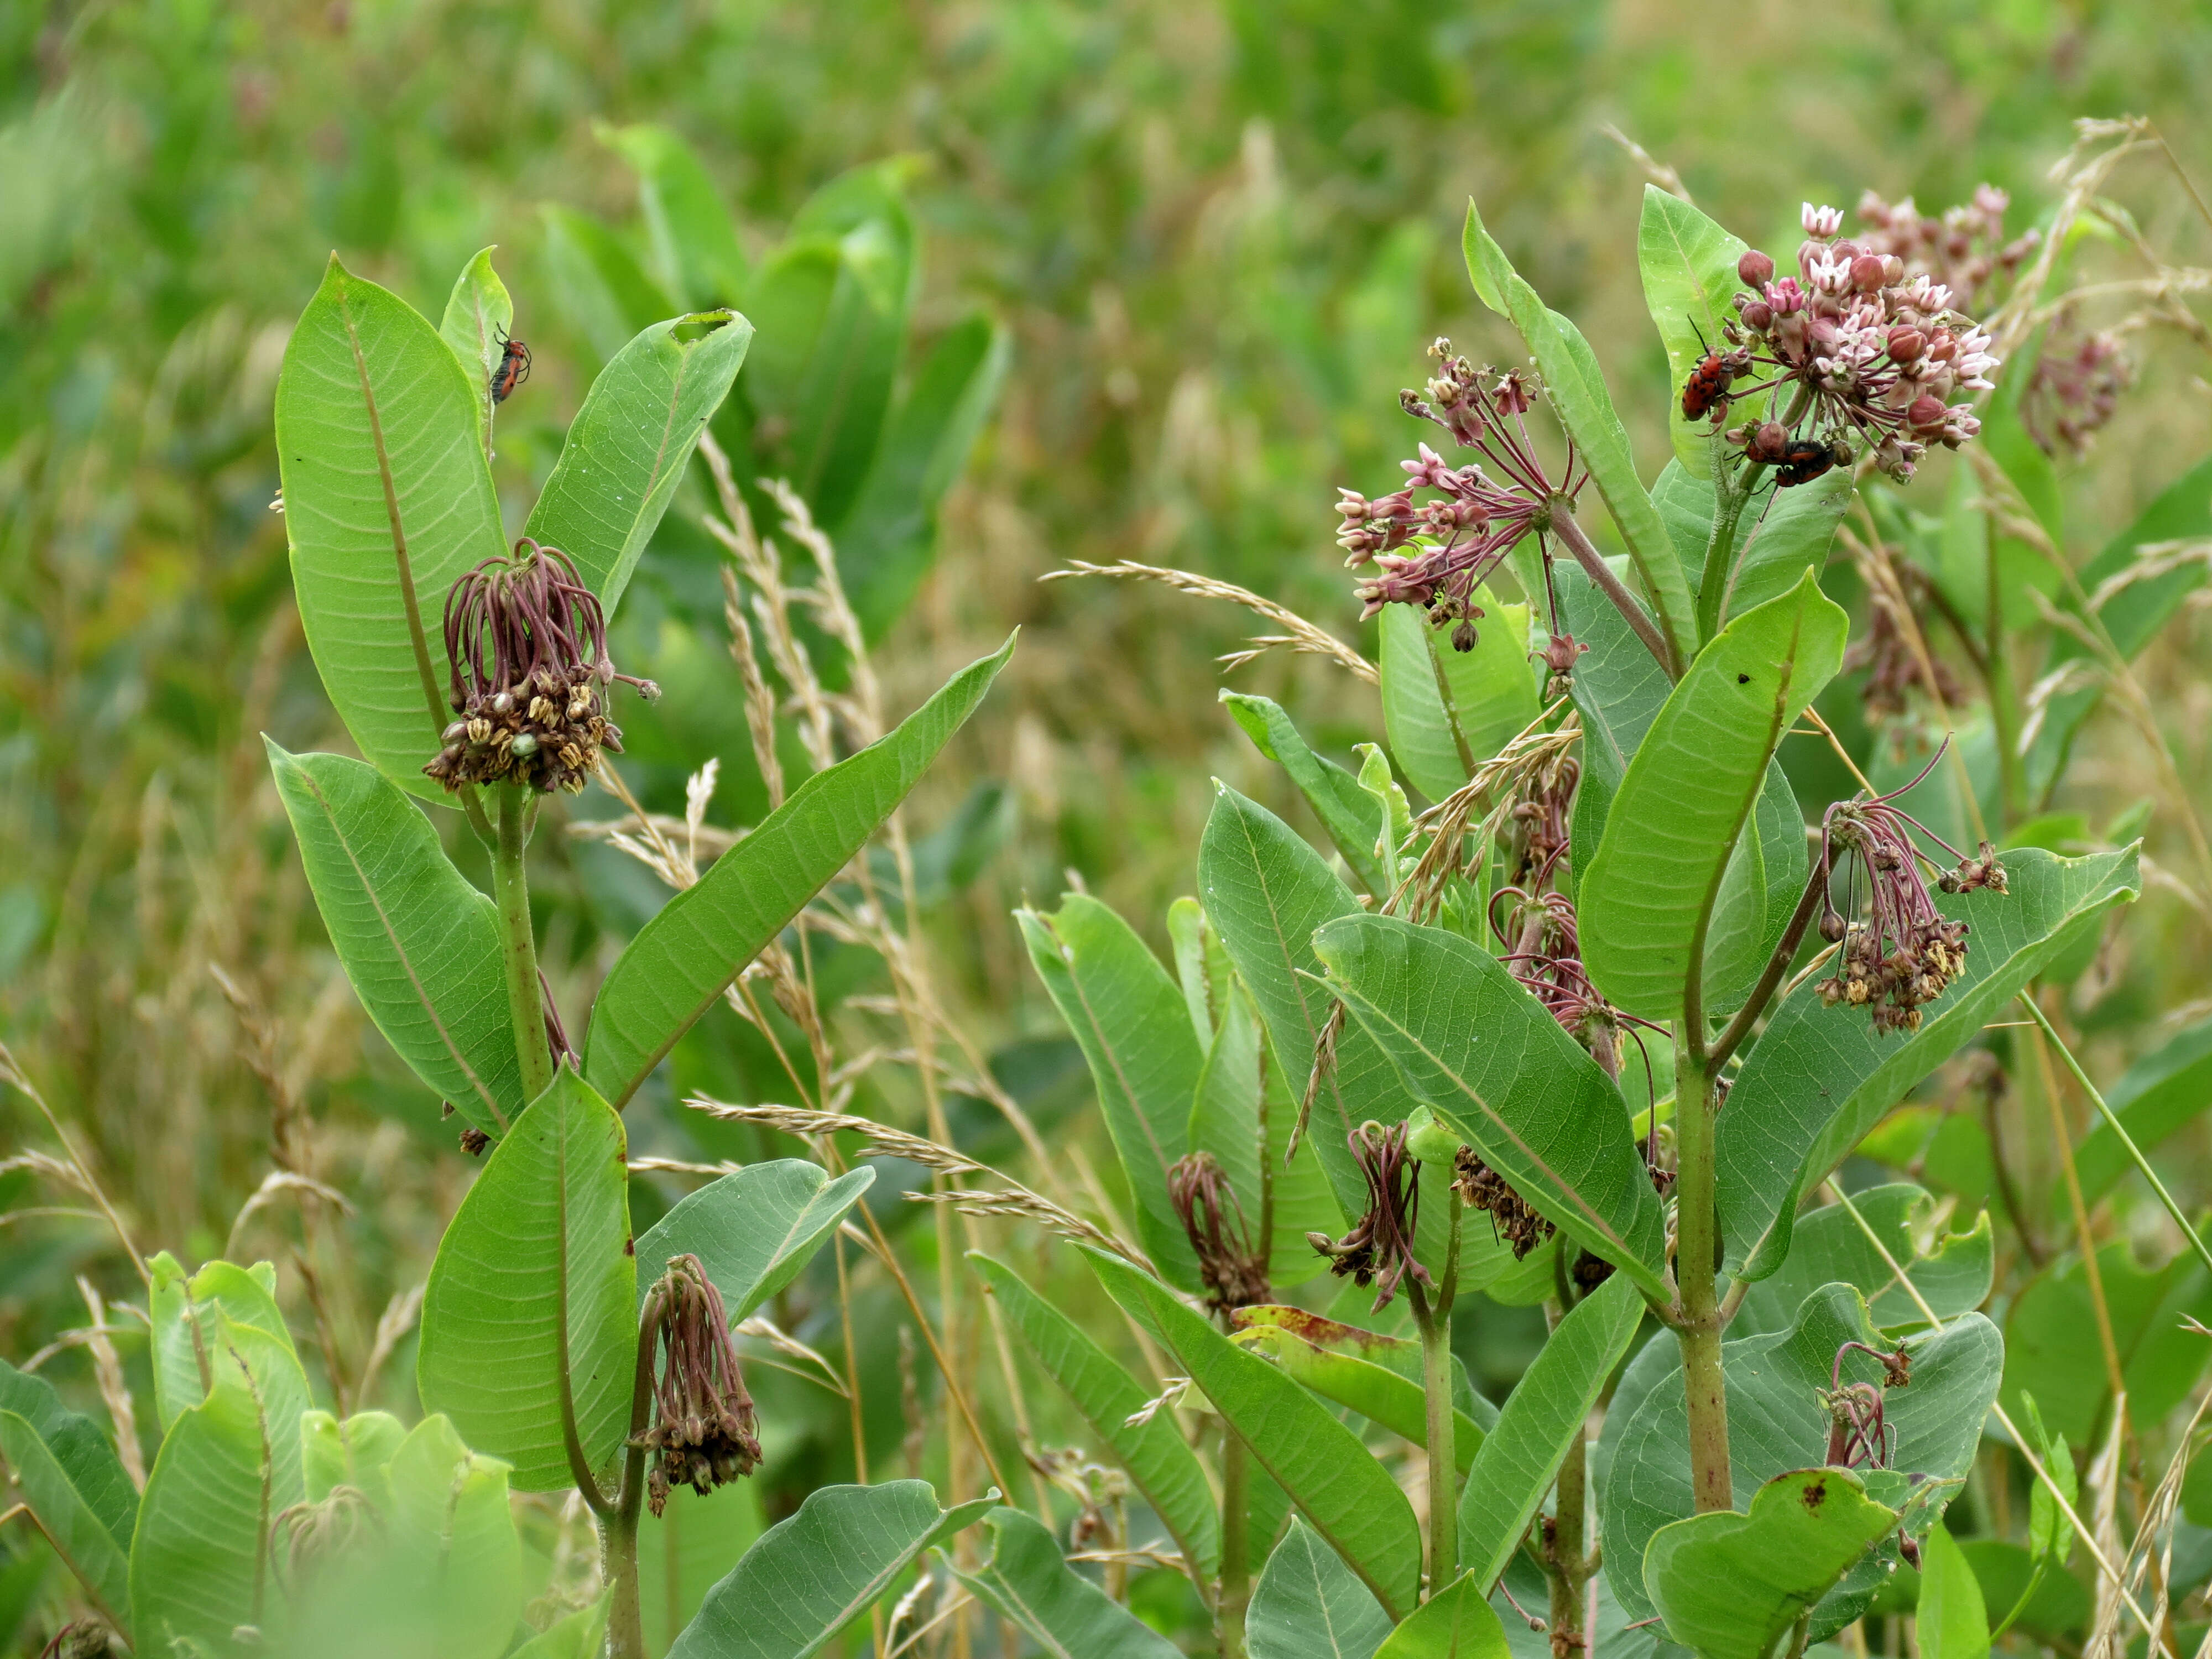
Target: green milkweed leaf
{"type": "Point", "coordinates": [1028, 1583]}
{"type": "Point", "coordinates": [1447, 711]}
{"type": "Point", "coordinates": [1347, 1496]}
{"type": "Point", "coordinates": [1308, 1605]}
{"type": "Point", "coordinates": [1345, 811]}
{"type": "Point", "coordinates": [754, 1230]}
{"type": "Point", "coordinates": [679, 963]}
{"type": "Point", "coordinates": [628, 446]}
{"type": "Point", "coordinates": [811, 1576]}
{"type": "Point", "coordinates": [478, 315]}
{"type": "Point", "coordinates": [1688, 266]}
{"type": "Point", "coordinates": [1158, 1460]}
{"type": "Point", "coordinates": [387, 502]}
{"type": "Point", "coordinates": [75, 1486]}
{"type": "Point", "coordinates": [1472, 1043]}
{"type": "Point", "coordinates": [1454, 1623]}
{"type": "Point", "coordinates": [419, 943]}
{"type": "Point", "coordinates": [533, 1294]}
{"type": "Point", "coordinates": [1648, 897]}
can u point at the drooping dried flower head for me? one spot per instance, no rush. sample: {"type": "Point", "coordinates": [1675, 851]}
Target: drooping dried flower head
{"type": "Point", "coordinates": [308, 1538]}
{"type": "Point", "coordinates": [527, 641]}
{"type": "Point", "coordinates": [1862, 356]}
{"type": "Point", "coordinates": [1906, 952]}
{"type": "Point", "coordinates": [1456, 538]}
{"type": "Point", "coordinates": [703, 1426]}
{"type": "Point", "coordinates": [1379, 1249]}
{"type": "Point", "coordinates": [1859, 1434]}
{"type": "Point", "coordinates": [1483, 1189]}
{"type": "Point", "coordinates": [1231, 1265]}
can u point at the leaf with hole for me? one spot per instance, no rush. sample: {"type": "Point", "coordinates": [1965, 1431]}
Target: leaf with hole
{"type": "Point", "coordinates": [1952, 1271]}
{"type": "Point", "coordinates": [1337, 1370]}
{"type": "Point", "coordinates": [531, 1312]}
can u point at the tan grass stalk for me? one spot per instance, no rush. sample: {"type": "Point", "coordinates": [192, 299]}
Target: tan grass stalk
{"type": "Point", "coordinates": [1299, 634]}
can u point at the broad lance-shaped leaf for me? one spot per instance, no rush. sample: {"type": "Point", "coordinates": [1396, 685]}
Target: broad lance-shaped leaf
{"type": "Point", "coordinates": [1730, 1584]}
{"type": "Point", "coordinates": [1468, 1041]}
{"type": "Point", "coordinates": [1339, 1374]}
{"type": "Point", "coordinates": [628, 445]}
{"type": "Point", "coordinates": [694, 244]}
{"type": "Point", "coordinates": [1446, 710]}
{"type": "Point", "coordinates": [419, 943]}
{"type": "Point", "coordinates": [74, 1485]}
{"type": "Point", "coordinates": [1578, 393]}
{"type": "Point", "coordinates": [478, 315]}
{"type": "Point", "coordinates": [1308, 1605]}
{"type": "Point", "coordinates": [1951, 1271]}
{"type": "Point", "coordinates": [1154, 1453]}
{"type": "Point", "coordinates": [1951, 1621]}
{"type": "Point", "coordinates": [2148, 1310]}
{"type": "Point", "coordinates": [1688, 266]}
{"type": "Point", "coordinates": [1030, 1584]}
{"type": "Point", "coordinates": [687, 1550]}
{"type": "Point", "coordinates": [227, 1469]}
{"type": "Point", "coordinates": [1539, 1424]}
{"type": "Point", "coordinates": [354, 1451]}
{"type": "Point", "coordinates": [1647, 898]}
{"type": "Point", "coordinates": [1348, 1497]}
{"type": "Point", "coordinates": [1454, 1623]}
{"type": "Point", "coordinates": [538, 1257]}
{"type": "Point", "coordinates": [2132, 613]}
{"type": "Point", "coordinates": [754, 1230]}
{"type": "Point", "coordinates": [680, 963]}
{"type": "Point", "coordinates": [812, 1575]}
{"type": "Point", "coordinates": [388, 502]}
{"type": "Point", "coordinates": [1820, 1078]}
{"type": "Point", "coordinates": [1776, 1424]}
{"type": "Point", "coordinates": [1265, 891]}
{"type": "Point", "coordinates": [1129, 1017]}
{"type": "Point", "coordinates": [1345, 811]}
{"type": "Point", "coordinates": [579, 1635]}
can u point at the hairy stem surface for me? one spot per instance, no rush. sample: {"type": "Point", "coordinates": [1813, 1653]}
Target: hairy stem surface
{"type": "Point", "coordinates": [1562, 525]}
{"type": "Point", "coordinates": [618, 1540]}
{"type": "Point", "coordinates": [1434, 1320]}
{"type": "Point", "coordinates": [518, 945]}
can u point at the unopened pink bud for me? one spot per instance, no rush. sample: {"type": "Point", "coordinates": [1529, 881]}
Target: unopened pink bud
{"type": "Point", "coordinates": [1905, 344]}
{"type": "Point", "coordinates": [1758, 316]}
{"type": "Point", "coordinates": [1755, 268]}
{"type": "Point", "coordinates": [1927, 413]}
{"type": "Point", "coordinates": [1867, 273]}
{"type": "Point", "coordinates": [1893, 270]}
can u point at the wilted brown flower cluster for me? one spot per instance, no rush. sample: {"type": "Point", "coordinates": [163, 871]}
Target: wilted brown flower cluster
{"type": "Point", "coordinates": [703, 1428]}
{"type": "Point", "coordinates": [1231, 1265]}
{"type": "Point", "coordinates": [1379, 1249]}
{"type": "Point", "coordinates": [1906, 952]}
{"type": "Point", "coordinates": [527, 641]}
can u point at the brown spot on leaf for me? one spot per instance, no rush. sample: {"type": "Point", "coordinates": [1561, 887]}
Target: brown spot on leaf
{"type": "Point", "coordinates": [1814, 1494]}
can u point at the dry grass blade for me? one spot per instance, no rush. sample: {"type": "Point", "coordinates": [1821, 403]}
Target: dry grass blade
{"type": "Point", "coordinates": [1654, 169]}
{"type": "Point", "coordinates": [114, 1391]}
{"type": "Point", "coordinates": [783, 1342]}
{"type": "Point", "coordinates": [1299, 636]}
{"type": "Point", "coordinates": [13, 1074]}
{"type": "Point", "coordinates": [397, 1319]}
{"type": "Point", "coordinates": [273, 1185]}
{"type": "Point", "coordinates": [1012, 1200]}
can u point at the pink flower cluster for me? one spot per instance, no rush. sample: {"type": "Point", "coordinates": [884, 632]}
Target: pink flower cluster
{"type": "Point", "coordinates": [1866, 354]}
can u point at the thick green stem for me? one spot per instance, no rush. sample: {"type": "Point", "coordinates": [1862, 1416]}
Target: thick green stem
{"type": "Point", "coordinates": [618, 1539]}
{"type": "Point", "coordinates": [518, 945]}
{"type": "Point", "coordinates": [1698, 1318]}
{"type": "Point", "coordinates": [1731, 489]}
{"type": "Point", "coordinates": [1434, 1320]}
{"type": "Point", "coordinates": [1236, 1594]}
{"type": "Point", "coordinates": [1593, 562]}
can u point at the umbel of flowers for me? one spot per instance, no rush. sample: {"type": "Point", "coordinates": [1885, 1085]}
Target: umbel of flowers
{"type": "Point", "coordinates": [1862, 356]}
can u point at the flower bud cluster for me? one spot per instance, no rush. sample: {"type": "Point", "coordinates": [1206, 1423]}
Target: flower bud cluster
{"type": "Point", "coordinates": [1906, 953]}
{"type": "Point", "coordinates": [1483, 1189]}
{"type": "Point", "coordinates": [1454, 538]}
{"type": "Point", "coordinates": [1869, 355]}
{"type": "Point", "coordinates": [703, 1427]}
{"type": "Point", "coordinates": [1964, 249]}
{"type": "Point", "coordinates": [528, 644]}
{"type": "Point", "coordinates": [2077, 386]}
{"type": "Point", "coordinates": [1894, 668]}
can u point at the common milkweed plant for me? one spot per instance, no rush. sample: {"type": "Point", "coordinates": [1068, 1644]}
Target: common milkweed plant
{"type": "Point", "coordinates": [1618, 991]}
